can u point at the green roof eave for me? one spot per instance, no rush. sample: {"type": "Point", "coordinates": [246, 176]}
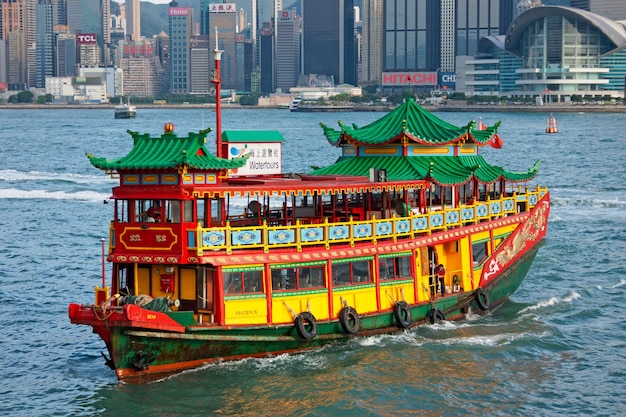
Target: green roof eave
{"type": "Point", "coordinates": [168, 152]}
{"type": "Point", "coordinates": [442, 170]}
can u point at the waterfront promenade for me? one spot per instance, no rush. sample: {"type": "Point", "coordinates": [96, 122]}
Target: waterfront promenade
{"type": "Point", "coordinates": [546, 108]}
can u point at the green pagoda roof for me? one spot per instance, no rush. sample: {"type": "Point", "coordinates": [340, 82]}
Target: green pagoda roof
{"type": "Point", "coordinates": [168, 152]}
{"type": "Point", "coordinates": [412, 122]}
{"type": "Point", "coordinates": [442, 170]}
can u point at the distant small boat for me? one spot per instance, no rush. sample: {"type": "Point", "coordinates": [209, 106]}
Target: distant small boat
{"type": "Point", "coordinates": [295, 103]}
{"type": "Point", "coordinates": [125, 111]}
{"type": "Point", "coordinates": [551, 125]}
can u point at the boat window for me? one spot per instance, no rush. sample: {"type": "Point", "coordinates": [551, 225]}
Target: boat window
{"type": "Point", "coordinates": [200, 211]}
{"type": "Point", "coordinates": [466, 193]}
{"type": "Point", "coordinates": [349, 273]}
{"type": "Point", "coordinates": [122, 211]}
{"type": "Point", "coordinates": [172, 209]}
{"type": "Point", "coordinates": [236, 282]}
{"type": "Point", "coordinates": [157, 211]}
{"type": "Point", "coordinates": [188, 210]}
{"type": "Point", "coordinates": [447, 195]}
{"type": "Point", "coordinates": [126, 279]}
{"type": "Point", "coordinates": [309, 277]}
{"type": "Point", "coordinates": [149, 211]}
{"type": "Point", "coordinates": [216, 211]}
{"type": "Point", "coordinates": [479, 252]}
{"type": "Point", "coordinates": [395, 268]}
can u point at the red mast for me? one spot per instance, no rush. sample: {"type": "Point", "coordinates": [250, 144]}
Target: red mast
{"type": "Point", "coordinates": [216, 79]}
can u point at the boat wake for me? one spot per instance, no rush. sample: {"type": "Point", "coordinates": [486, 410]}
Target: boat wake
{"type": "Point", "coordinates": [89, 196]}
{"type": "Point", "coordinates": [20, 176]}
{"type": "Point", "coordinates": [551, 302]}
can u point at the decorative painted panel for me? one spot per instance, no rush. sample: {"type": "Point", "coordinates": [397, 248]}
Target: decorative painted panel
{"type": "Point", "coordinates": [282, 236]}
{"type": "Point", "coordinates": [312, 234]}
{"type": "Point", "coordinates": [214, 237]}
{"type": "Point", "coordinates": [245, 237]}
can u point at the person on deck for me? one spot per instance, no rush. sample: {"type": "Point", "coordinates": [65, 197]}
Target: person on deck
{"type": "Point", "coordinates": [441, 275]}
{"type": "Point", "coordinates": [153, 214]}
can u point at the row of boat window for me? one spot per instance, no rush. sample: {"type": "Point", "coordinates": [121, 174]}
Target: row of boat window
{"type": "Point", "coordinates": [312, 277]}
{"type": "Point", "coordinates": [177, 211]}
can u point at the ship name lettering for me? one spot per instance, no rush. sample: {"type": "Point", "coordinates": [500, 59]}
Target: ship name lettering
{"type": "Point", "coordinates": [151, 316]}
{"type": "Point", "coordinates": [246, 313]}
{"type": "Point", "coordinates": [135, 237]}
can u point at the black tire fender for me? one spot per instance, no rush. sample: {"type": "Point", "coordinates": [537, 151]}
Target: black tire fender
{"type": "Point", "coordinates": [350, 320]}
{"type": "Point", "coordinates": [306, 325]}
{"type": "Point", "coordinates": [436, 316]}
{"type": "Point", "coordinates": [482, 299]}
{"type": "Point", "coordinates": [403, 314]}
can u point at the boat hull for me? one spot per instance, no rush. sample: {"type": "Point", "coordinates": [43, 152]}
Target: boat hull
{"type": "Point", "coordinates": [140, 352]}
{"type": "Point", "coordinates": [125, 114]}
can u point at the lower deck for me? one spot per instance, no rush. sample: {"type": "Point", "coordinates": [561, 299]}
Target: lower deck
{"type": "Point", "coordinates": [258, 288]}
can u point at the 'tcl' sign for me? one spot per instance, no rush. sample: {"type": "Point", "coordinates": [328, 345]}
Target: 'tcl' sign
{"type": "Point", "coordinates": [86, 38]}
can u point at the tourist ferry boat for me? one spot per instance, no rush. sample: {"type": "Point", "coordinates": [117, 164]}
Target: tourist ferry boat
{"type": "Point", "coordinates": [225, 257]}
{"type": "Point", "coordinates": [222, 257]}
{"type": "Point", "coordinates": [125, 110]}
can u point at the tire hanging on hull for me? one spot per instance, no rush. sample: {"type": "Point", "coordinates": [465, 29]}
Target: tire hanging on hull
{"type": "Point", "coordinates": [436, 316]}
{"type": "Point", "coordinates": [403, 314]}
{"type": "Point", "coordinates": [482, 299]}
{"type": "Point", "coordinates": [350, 320]}
{"type": "Point", "coordinates": [306, 325]}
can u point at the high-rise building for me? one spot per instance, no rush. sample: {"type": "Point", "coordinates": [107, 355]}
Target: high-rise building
{"type": "Point", "coordinates": [161, 47]}
{"type": "Point", "coordinates": [412, 40]}
{"type": "Point", "coordinates": [14, 32]}
{"type": "Point", "coordinates": [65, 55]}
{"type": "Point", "coordinates": [245, 54]}
{"type": "Point", "coordinates": [492, 18]}
{"type": "Point", "coordinates": [446, 56]}
{"type": "Point", "coordinates": [287, 49]}
{"type": "Point", "coordinates": [142, 69]}
{"type": "Point", "coordinates": [612, 9]}
{"type": "Point", "coordinates": [133, 20]}
{"type": "Point", "coordinates": [80, 20]}
{"type": "Point", "coordinates": [44, 61]}
{"type": "Point", "coordinates": [372, 45]}
{"type": "Point", "coordinates": [328, 41]}
{"type": "Point", "coordinates": [180, 31]}
{"type": "Point", "coordinates": [266, 59]}
{"type": "Point", "coordinates": [223, 16]}
{"type": "Point", "coordinates": [200, 55]}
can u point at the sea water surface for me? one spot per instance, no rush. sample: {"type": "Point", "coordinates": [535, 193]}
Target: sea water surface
{"type": "Point", "coordinates": [556, 348]}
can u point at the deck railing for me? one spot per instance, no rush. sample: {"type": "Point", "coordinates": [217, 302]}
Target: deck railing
{"type": "Point", "coordinates": [299, 235]}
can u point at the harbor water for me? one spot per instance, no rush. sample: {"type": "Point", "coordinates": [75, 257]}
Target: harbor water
{"type": "Point", "coordinates": [557, 347]}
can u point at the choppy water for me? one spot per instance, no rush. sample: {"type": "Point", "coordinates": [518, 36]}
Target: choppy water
{"type": "Point", "coordinates": [556, 348]}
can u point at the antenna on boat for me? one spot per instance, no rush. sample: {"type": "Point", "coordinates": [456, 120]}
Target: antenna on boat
{"type": "Point", "coordinates": [216, 79]}
{"type": "Point", "coordinates": [103, 278]}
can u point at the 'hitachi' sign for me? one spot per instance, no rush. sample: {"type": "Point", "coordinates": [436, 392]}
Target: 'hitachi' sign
{"type": "Point", "coordinates": [409, 78]}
